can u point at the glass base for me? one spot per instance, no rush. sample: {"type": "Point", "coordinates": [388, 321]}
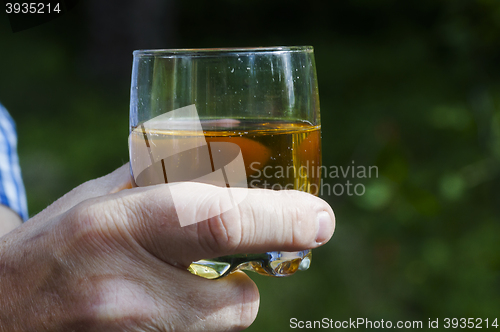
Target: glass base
{"type": "Point", "coordinates": [275, 264]}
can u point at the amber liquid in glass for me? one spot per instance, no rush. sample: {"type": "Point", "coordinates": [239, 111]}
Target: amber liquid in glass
{"type": "Point", "coordinates": [277, 155]}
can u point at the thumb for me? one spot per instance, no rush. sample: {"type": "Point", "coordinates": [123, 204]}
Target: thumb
{"type": "Point", "coordinates": [264, 221]}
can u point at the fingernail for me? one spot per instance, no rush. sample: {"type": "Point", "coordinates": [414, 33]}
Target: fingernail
{"type": "Point", "coordinates": [324, 222]}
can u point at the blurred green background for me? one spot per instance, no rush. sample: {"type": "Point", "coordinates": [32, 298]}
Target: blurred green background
{"type": "Point", "coordinates": [412, 87]}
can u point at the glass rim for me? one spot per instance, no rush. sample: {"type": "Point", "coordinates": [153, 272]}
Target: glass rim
{"type": "Point", "coordinates": [226, 51]}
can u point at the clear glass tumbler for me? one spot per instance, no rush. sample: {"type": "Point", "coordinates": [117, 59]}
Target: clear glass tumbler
{"type": "Point", "coordinates": [264, 100]}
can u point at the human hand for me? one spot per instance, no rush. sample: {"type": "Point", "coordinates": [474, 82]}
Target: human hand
{"type": "Point", "coordinates": [106, 259]}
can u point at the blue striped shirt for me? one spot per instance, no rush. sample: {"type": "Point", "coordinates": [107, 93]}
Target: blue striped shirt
{"type": "Point", "coordinates": [12, 192]}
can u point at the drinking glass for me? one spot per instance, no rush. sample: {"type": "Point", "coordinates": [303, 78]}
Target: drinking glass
{"type": "Point", "coordinates": [262, 100]}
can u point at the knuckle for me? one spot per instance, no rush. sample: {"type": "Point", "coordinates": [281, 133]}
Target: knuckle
{"type": "Point", "coordinates": [301, 216]}
{"type": "Point", "coordinates": [87, 217]}
{"type": "Point", "coordinates": [86, 226]}
{"type": "Point", "coordinates": [222, 232]}
{"type": "Point", "coordinates": [94, 219]}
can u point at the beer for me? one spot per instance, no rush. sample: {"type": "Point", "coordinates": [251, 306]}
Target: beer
{"type": "Point", "coordinates": [277, 155]}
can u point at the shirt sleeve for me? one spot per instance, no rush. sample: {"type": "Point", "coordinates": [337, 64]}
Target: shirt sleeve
{"type": "Point", "coordinates": [12, 192]}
